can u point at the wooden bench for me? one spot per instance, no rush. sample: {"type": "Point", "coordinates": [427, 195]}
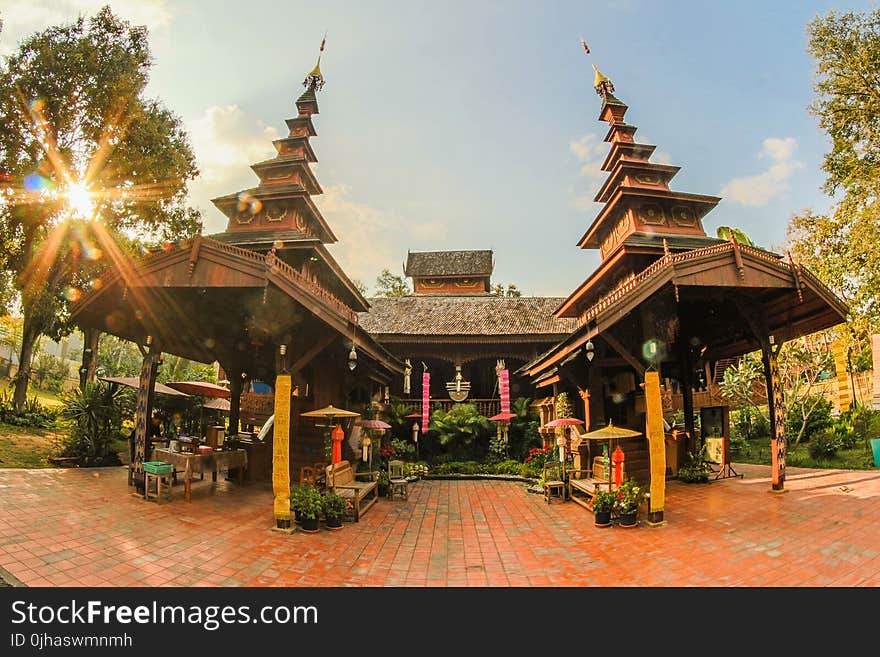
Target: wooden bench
{"type": "Point", "coordinates": [363, 494]}
{"type": "Point", "coordinates": [581, 490]}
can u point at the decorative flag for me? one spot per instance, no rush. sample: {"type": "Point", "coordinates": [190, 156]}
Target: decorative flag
{"type": "Point", "coordinates": [504, 389]}
{"type": "Point", "coordinates": [875, 358]}
{"type": "Point", "coordinates": [843, 388]}
{"type": "Point", "coordinates": [426, 400]}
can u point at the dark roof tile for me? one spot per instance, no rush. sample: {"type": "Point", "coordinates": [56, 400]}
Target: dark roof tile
{"type": "Point", "coordinates": [464, 315]}
{"type": "Point", "coordinates": [449, 263]}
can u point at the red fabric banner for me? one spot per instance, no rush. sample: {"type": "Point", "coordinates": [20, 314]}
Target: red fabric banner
{"type": "Point", "coordinates": [504, 389]}
{"type": "Point", "coordinates": [426, 400]}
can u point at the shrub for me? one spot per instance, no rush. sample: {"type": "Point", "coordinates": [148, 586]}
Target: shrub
{"type": "Point", "coordinates": [603, 500]}
{"type": "Point", "coordinates": [32, 414]}
{"type": "Point", "coordinates": [824, 444]}
{"type": "Point", "coordinates": [695, 469]}
{"type": "Point", "coordinates": [311, 502]}
{"type": "Point", "coordinates": [96, 424]}
{"type": "Point", "coordinates": [819, 419]}
{"type": "Point", "coordinates": [510, 467]}
{"type": "Point", "coordinates": [334, 505]}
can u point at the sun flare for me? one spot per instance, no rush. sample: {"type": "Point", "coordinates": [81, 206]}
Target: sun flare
{"type": "Point", "coordinates": [80, 200]}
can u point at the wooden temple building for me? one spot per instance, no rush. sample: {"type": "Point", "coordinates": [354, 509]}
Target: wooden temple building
{"type": "Point", "coordinates": [668, 304]}
{"type": "Point", "coordinates": [264, 298]}
{"type": "Point", "coordinates": [452, 326]}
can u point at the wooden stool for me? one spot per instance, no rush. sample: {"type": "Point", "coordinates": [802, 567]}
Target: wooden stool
{"type": "Point", "coordinates": [157, 487]}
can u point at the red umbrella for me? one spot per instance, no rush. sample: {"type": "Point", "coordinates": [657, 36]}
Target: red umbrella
{"type": "Point", "coordinates": [503, 417]}
{"type": "Point", "coordinates": [563, 422]}
{"type": "Point", "coordinates": [374, 424]}
{"type": "Point", "coordinates": [201, 389]}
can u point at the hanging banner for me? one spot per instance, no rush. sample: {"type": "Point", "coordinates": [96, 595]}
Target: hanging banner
{"type": "Point", "coordinates": [844, 397]}
{"type": "Point", "coordinates": [504, 390]}
{"type": "Point", "coordinates": [426, 400]}
{"type": "Point", "coordinates": [875, 359]}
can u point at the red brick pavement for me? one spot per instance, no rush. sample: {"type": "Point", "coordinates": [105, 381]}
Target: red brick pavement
{"type": "Point", "coordinates": [83, 527]}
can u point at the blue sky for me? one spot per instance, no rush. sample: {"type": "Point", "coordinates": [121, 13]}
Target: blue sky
{"type": "Point", "coordinates": [470, 125]}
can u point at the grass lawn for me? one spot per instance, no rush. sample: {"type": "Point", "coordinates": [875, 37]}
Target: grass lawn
{"type": "Point", "coordinates": [26, 447]}
{"type": "Point", "coordinates": [43, 396]}
{"type": "Point", "coordinates": [758, 451]}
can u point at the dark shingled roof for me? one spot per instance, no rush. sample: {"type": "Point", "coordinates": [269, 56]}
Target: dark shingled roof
{"type": "Point", "coordinates": [262, 237]}
{"type": "Point", "coordinates": [465, 315]}
{"type": "Point", "coordinates": [449, 263]}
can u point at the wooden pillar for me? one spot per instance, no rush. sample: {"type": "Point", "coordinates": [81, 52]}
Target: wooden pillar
{"type": "Point", "coordinates": [89, 356]}
{"type": "Point", "coordinates": [656, 446]}
{"type": "Point", "coordinates": [143, 415]}
{"type": "Point", "coordinates": [235, 386]}
{"type": "Point", "coordinates": [281, 451]}
{"type": "Point", "coordinates": [777, 417]}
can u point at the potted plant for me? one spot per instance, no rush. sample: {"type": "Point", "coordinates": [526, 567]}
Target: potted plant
{"type": "Point", "coordinates": [334, 506]}
{"type": "Point", "coordinates": [383, 483]}
{"type": "Point", "coordinates": [603, 505]}
{"type": "Point", "coordinates": [696, 469]}
{"type": "Point", "coordinates": [296, 497]}
{"type": "Point", "coordinates": [310, 507]}
{"type": "Point", "coordinates": [628, 499]}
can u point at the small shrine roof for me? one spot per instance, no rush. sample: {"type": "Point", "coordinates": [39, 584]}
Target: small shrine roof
{"type": "Point", "coordinates": [449, 263]}
{"type": "Point", "coordinates": [465, 315]}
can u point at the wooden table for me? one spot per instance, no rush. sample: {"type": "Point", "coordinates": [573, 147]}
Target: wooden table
{"type": "Point", "coordinates": [211, 462]}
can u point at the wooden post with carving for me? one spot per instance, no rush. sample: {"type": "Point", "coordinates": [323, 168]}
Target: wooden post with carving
{"type": "Point", "coordinates": [143, 415]}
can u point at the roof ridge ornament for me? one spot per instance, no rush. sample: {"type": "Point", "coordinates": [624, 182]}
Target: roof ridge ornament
{"type": "Point", "coordinates": [315, 79]}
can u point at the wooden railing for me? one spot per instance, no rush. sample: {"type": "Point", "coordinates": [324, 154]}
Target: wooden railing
{"type": "Point", "coordinates": [487, 407]}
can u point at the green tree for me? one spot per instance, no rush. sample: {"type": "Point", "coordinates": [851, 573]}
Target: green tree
{"type": "Point", "coordinates": [843, 247]}
{"type": "Point", "coordinates": [509, 290]}
{"type": "Point", "coordinates": [846, 49]}
{"type": "Point", "coordinates": [460, 428]}
{"type": "Point", "coordinates": [391, 285]}
{"type": "Point", "coordinates": [728, 233]}
{"type": "Point", "coordinates": [79, 142]}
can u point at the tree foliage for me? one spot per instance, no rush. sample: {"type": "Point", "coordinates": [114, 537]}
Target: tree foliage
{"type": "Point", "coordinates": [846, 49]}
{"type": "Point", "coordinates": [74, 121]}
{"type": "Point", "coordinates": [391, 285]}
{"type": "Point", "coordinates": [501, 290]}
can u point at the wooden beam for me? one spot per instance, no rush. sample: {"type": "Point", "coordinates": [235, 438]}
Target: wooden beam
{"type": "Point", "coordinates": [310, 355]}
{"type": "Point", "coordinates": [620, 349]}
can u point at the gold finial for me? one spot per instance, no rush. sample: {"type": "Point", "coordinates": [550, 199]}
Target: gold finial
{"type": "Point", "coordinates": [601, 83]}
{"type": "Point", "coordinates": [315, 78]}
{"type": "Point", "coordinates": [586, 47]}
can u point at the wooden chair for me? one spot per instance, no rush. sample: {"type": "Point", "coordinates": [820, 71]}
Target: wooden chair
{"type": "Point", "coordinates": [397, 483]}
{"type": "Point", "coordinates": [554, 480]}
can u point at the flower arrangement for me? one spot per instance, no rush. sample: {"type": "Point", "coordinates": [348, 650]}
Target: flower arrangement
{"type": "Point", "coordinates": [629, 497]}
{"type": "Point", "coordinates": [538, 456]}
{"type": "Point", "coordinates": [603, 501]}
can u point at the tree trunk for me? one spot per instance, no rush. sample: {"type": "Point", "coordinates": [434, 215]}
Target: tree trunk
{"type": "Point", "coordinates": [89, 365]}
{"type": "Point", "coordinates": [29, 337]}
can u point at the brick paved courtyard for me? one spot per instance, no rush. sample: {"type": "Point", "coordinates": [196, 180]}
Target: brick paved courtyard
{"type": "Point", "coordinates": [72, 527]}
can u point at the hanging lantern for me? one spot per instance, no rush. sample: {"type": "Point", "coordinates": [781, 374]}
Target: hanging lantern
{"type": "Point", "coordinates": [365, 448]}
{"type": "Point", "coordinates": [617, 458]}
{"type": "Point", "coordinates": [352, 358]}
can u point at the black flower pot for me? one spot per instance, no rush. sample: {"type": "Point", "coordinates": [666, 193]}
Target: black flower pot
{"type": "Point", "coordinates": [602, 518]}
{"type": "Point", "coordinates": [629, 519]}
{"type": "Point", "coordinates": [297, 516]}
{"type": "Point", "coordinates": [333, 523]}
{"type": "Point", "coordinates": [310, 524]}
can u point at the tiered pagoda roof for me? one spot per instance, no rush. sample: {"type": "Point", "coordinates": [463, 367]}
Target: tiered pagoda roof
{"type": "Point", "coordinates": [643, 218]}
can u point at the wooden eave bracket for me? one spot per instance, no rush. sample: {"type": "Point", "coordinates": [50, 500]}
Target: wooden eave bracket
{"type": "Point", "coordinates": [737, 256]}
{"type": "Point", "coordinates": [621, 350]}
{"type": "Point", "coordinates": [194, 253]}
{"type": "Point", "coordinates": [795, 271]}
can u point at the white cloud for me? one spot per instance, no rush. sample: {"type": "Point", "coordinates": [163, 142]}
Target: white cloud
{"type": "Point", "coordinates": [23, 18]}
{"type": "Point", "coordinates": [370, 239]}
{"type": "Point", "coordinates": [226, 142]}
{"type": "Point", "coordinates": [760, 189]}
{"type": "Point", "coordinates": [590, 152]}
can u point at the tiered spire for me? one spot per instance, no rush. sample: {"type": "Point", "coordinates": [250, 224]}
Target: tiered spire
{"type": "Point", "coordinates": [639, 206]}
{"type": "Point", "coordinates": [280, 209]}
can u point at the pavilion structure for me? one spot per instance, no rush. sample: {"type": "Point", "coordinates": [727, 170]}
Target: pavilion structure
{"type": "Point", "coordinates": [452, 325]}
{"type": "Point", "coordinates": [668, 304]}
{"type": "Point", "coordinates": [264, 298]}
